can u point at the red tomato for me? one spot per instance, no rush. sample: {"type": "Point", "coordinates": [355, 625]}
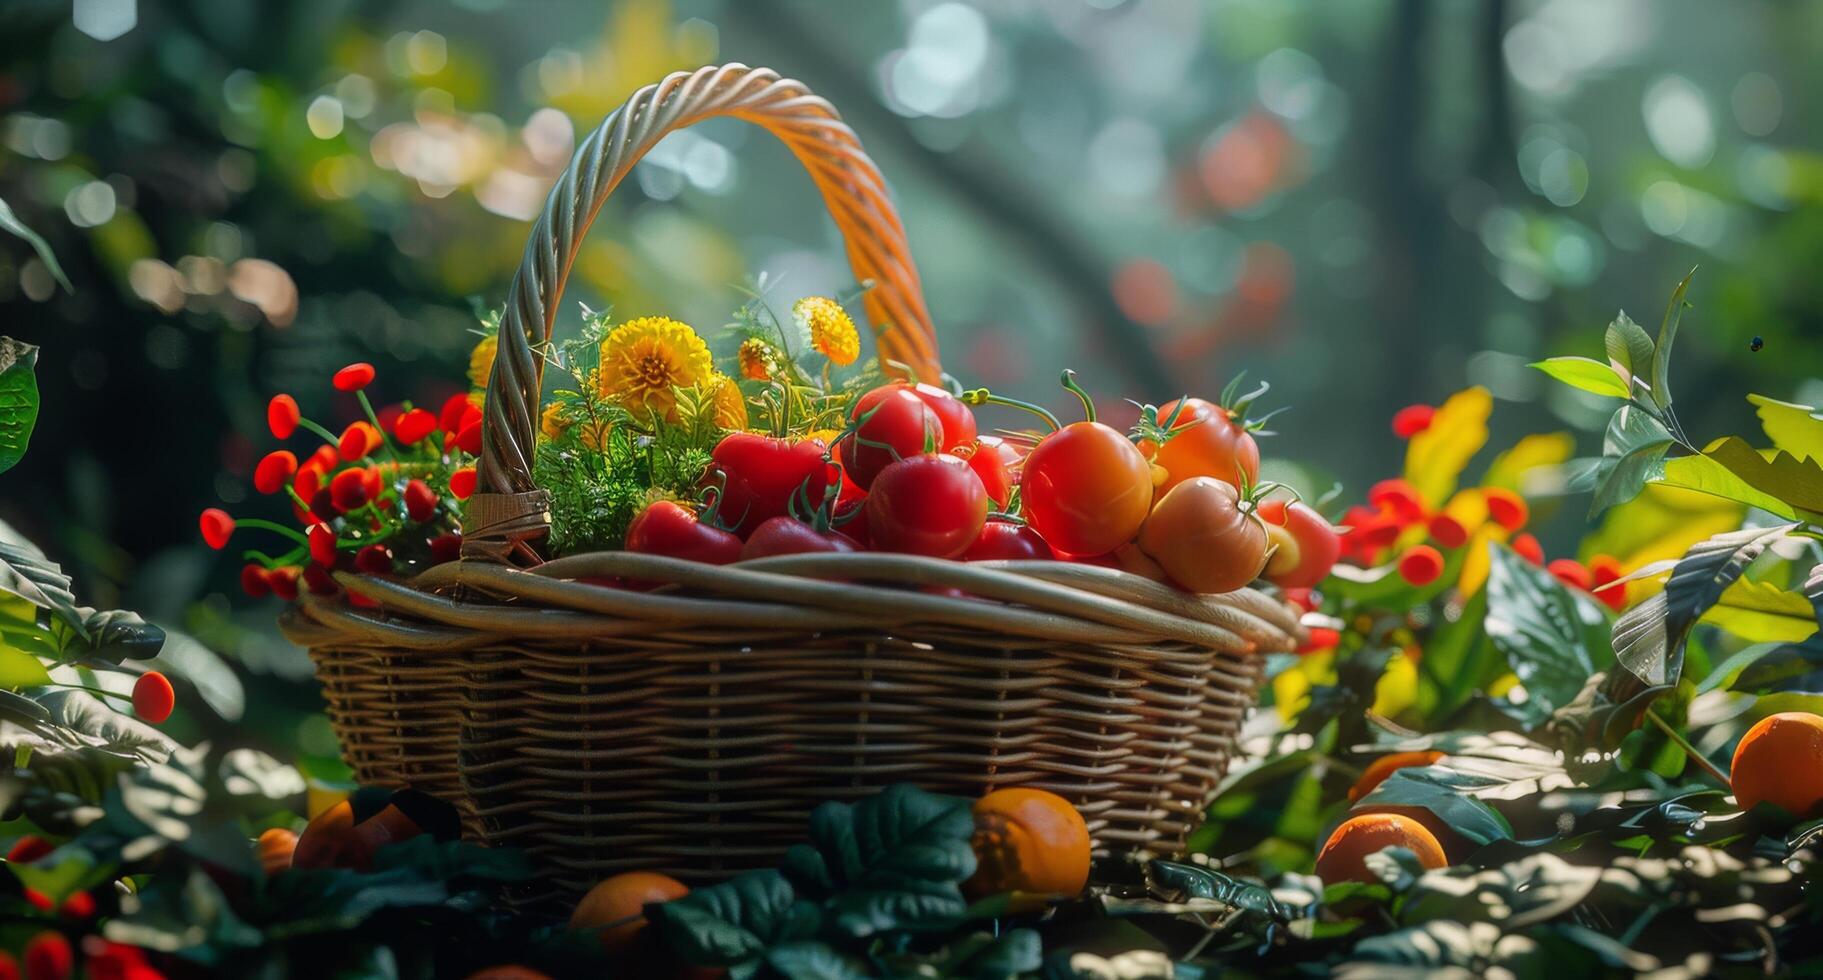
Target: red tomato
{"type": "Point", "coordinates": [852, 500]}
{"type": "Point", "coordinates": [670, 529]}
{"type": "Point", "coordinates": [927, 505]}
{"type": "Point", "coordinates": [1208, 442]}
{"type": "Point", "coordinates": [1086, 489]}
{"type": "Point", "coordinates": [790, 536]}
{"type": "Point", "coordinates": [957, 418]}
{"type": "Point", "coordinates": [994, 461]}
{"type": "Point", "coordinates": [1202, 537]}
{"type": "Point", "coordinates": [1006, 540]}
{"type": "Point", "coordinates": [1318, 544]}
{"type": "Point", "coordinates": [893, 424]}
{"type": "Point", "coordinates": [761, 474]}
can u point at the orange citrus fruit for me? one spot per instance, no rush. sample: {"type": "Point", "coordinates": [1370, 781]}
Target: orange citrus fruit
{"type": "Point", "coordinates": [1386, 765]}
{"type": "Point", "coordinates": [1030, 841]}
{"type": "Point", "coordinates": [275, 847]}
{"type": "Point", "coordinates": [615, 906]}
{"type": "Point", "coordinates": [1780, 761]}
{"type": "Point", "coordinates": [1344, 855]}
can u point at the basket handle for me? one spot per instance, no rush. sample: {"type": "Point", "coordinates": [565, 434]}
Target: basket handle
{"type": "Point", "coordinates": [509, 514]}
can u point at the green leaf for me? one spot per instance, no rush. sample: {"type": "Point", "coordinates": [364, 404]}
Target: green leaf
{"type": "Point", "coordinates": [1796, 482]}
{"type": "Point", "coordinates": [10, 222]}
{"type": "Point", "coordinates": [736, 921]}
{"type": "Point", "coordinates": [1649, 638]}
{"type": "Point", "coordinates": [18, 398]}
{"type": "Point", "coordinates": [1533, 620]}
{"type": "Point", "coordinates": [1532, 889]}
{"type": "Point", "coordinates": [1667, 332]}
{"type": "Point", "coordinates": [1586, 374]}
{"type": "Point", "coordinates": [1441, 792]}
{"type": "Point", "coordinates": [114, 635]}
{"type": "Point", "coordinates": [893, 861]}
{"type": "Point", "coordinates": [1797, 429]}
{"type": "Point", "coordinates": [1633, 453]}
{"type": "Point", "coordinates": [1706, 475]}
{"type": "Point", "coordinates": [1760, 612]}
{"type": "Point", "coordinates": [1628, 346]}
{"type": "Point", "coordinates": [1198, 881]}
{"type": "Point", "coordinates": [20, 669]}
{"type": "Point", "coordinates": [26, 572]}
{"type": "Point", "coordinates": [815, 961]}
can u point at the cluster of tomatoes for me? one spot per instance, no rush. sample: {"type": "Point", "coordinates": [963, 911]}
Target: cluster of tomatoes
{"type": "Point", "coordinates": [1177, 500]}
{"type": "Point", "coordinates": [49, 954]}
{"type": "Point", "coordinates": [378, 497]}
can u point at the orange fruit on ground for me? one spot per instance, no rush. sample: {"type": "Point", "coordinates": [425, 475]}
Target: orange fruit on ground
{"type": "Point", "coordinates": [1344, 855]}
{"type": "Point", "coordinates": [1780, 761]}
{"type": "Point", "coordinates": [1454, 844]}
{"type": "Point", "coordinates": [275, 849]}
{"type": "Point", "coordinates": [1386, 765]}
{"type": "Point", "coordinates": [615, 905]}
{"type": "Point", "coordinates": [1028, 840]}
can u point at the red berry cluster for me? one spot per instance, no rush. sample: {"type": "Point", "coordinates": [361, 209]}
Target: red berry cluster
{"type": "Point", "coordinates": [379, 497]}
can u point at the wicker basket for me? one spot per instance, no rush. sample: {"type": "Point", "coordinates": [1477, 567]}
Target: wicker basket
{"type": "Point", "coordinates": [690, 729]}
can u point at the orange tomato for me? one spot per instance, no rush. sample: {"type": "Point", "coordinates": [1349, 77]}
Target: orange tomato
{"type": "Point", "coordinates": [1386, 765]}
{"type": "Point", "coordinates": [615, 907]}
{"type": "Point", "coordinates": [275, 848]}
{"type": "Point", "coordinates": [1780, 761]}
{"type": "Point", "coordinates": [1344, 855]}
{"type": "Point", "coordinates": [1207, 441]}
{"type": "Point", "coordinates": [1028, 841]}
{"type": "Point", "coordinates": [1202, 537]}
{"type": "Point", "coordinates": [1086, 489]}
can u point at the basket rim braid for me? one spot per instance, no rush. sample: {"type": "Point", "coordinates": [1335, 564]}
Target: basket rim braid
{"type": "Point", "coordinates": [690, 726]}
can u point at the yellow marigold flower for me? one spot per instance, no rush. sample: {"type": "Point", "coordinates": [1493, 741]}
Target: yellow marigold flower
{"type": "Point", "coordinates": [553, 423]}
{"type": "Point", "coordinates": [643, 360]}
{"type": "Point", "coordinates": [730, 404]}
{"type": "Point", "coordinates": [831, 331]}
{"type": "Point", "coordinates": [757, 359]}
{"type": "Point", "coordinates": [557, 420]}
{"type": "Point", "coordinates": [481, 360]}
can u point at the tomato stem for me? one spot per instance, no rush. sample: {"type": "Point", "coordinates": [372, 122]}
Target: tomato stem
{"type": "Point", "coordinates": [982, 396]}
{"type": "Point", "coordinates": [266, 525]}
{"type": "Point", "coordinates": [1088, 404]}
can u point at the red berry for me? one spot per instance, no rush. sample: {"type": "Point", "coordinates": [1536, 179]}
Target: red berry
{"type": "Point", "coordinates": [445, 548]}
{"type": "Point", "coordinates": [324, 459]}
{"type": "Point", "coordinates": [81, 905]}
{"type": "Point", "coordinates": [354, 377]}
{"type": "Point", "coordinates": [1398, 498]}
{"type": "Point", "coordinates": [1528, 548]}
{"type": "Point", "coordinates": [1604, 570]}
{"type": "Point", "coordinates": [1507, 508]}
{"type": "Point", "coordinates": [462, 483]}
{"type": "Point", "coordinates": [39, 900]}
{"type": "Point", "coordinates": [282, 416]}
{"type": "Point", "coordinates": [375, 484]}
{"type": "Point", "coordinates": [48, 957]}
{"type": "Point", "coordinates": [272, 472]}
{"type": "Point", "coordinates": [29, 848]}
{"type": "Point", "coordinates": [1301, 598]}
{"type": "Point", "coordinates": [359, 439]}
{"type": "Point", "coordinates": [388, 417]}
{"type": "Point", "coordinates": [1412, 419]}
{"type": "Point", "coordinates": [348, 490]}
{"type": "Point", "coordinates": [9, 967]}
{"type": "Point", "coordinates": [115, 961]}
{"type": "Point", "coordinates": [1420, 565]}
{"type": "Point", "coordinates": [375, 559]}
{"type": "Point", "coordinates": [469, 439]}
{"type": "Point", "coordinates": [414, 425]}
{"type": "Point", "coordinates": [420, 501]}
{"type": "Point", "coordinates": [1321, 638]}
{"type": "Point", "coordinates": [254, 582]}
{"type": "Point", "coordinates": [284, 582]}
{"type": "Point", "coordinates": [322, 544]}
{"type": "Point", "coordinates": [309, 480]}
{"type": "Point", "coordinates": [1448, 531]}
{"type": "Point", "coordinates": [216, 527]}
{"type": "Point", "coordinates": [153, 697]}
{"type": "Point", "coordinates": [318, 580]}
{"type": "Point", "coordinates": [1570, 572]}
{"type": "Point", "coordinates": [454, 410]}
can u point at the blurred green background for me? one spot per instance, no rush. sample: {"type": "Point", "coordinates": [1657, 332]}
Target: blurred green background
{"type": "Point", "coordinates": [1368, 204]}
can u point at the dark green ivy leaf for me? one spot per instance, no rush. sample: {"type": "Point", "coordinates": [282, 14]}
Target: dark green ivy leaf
{"type": "Point", "coordinates": [1535, 622]}
{"type": "Point", "coordinates": [735, 922]}
{"type": "Point", "coordinates": [893, 861]}
{"type": "Point", "coordinates": [18, 398]}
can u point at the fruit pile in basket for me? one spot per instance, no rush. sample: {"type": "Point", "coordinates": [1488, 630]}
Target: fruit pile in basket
{"type": "Point", "coordinates": [647, 445]}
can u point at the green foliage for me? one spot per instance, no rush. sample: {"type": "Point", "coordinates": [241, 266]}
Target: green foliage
{"type": "Point", "coordinates": [18, 398]}
{"type": "Point", "coordinates": [9, 222]}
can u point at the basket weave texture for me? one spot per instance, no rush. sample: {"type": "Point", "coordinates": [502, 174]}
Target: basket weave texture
{"type": "Point", "coordinates": [691, 728]}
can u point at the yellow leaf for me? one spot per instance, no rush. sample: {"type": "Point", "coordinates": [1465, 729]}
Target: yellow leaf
{"type": "Point", "coordinates": [1545, 449]}
{"type": "Point", "coordinates": [1759, 612]}
{"type": "Point", "coordinates": [1662, 522]}
{"type": "Point", "coordinates": [1793, 428]}
{"type": "Point", "coordinates": [1397, 688]}
{"type": "Point", "coordinates": [1436, 457]}
{"type": "Point", "coordinates": [1479, 557]}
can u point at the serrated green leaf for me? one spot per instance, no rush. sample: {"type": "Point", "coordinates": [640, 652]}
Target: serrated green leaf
{"type": "Point", "coordinates": [1649, 638]}
{"type": "Point", "coordinates": [1798, 483]}
{"type": "Point", "coordinates": [736, 921]}
{"type": "Point", "coordinates": [18, 399]}
{"type": "Point", "coordinates": [1797, 429]}
{"type": "Point", "coordinates": [893, 861]}
{"type": "Point", "coordinates": [1706, 475]}
{"type": "Point", "coordinates": [1667, 333]}
{"type": "Point", "coordinates": [1628, 346]}
{"type": "Point", "coordinates": [10, 222]}
{"type": "Point", "coordinates": [1585, 374]}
